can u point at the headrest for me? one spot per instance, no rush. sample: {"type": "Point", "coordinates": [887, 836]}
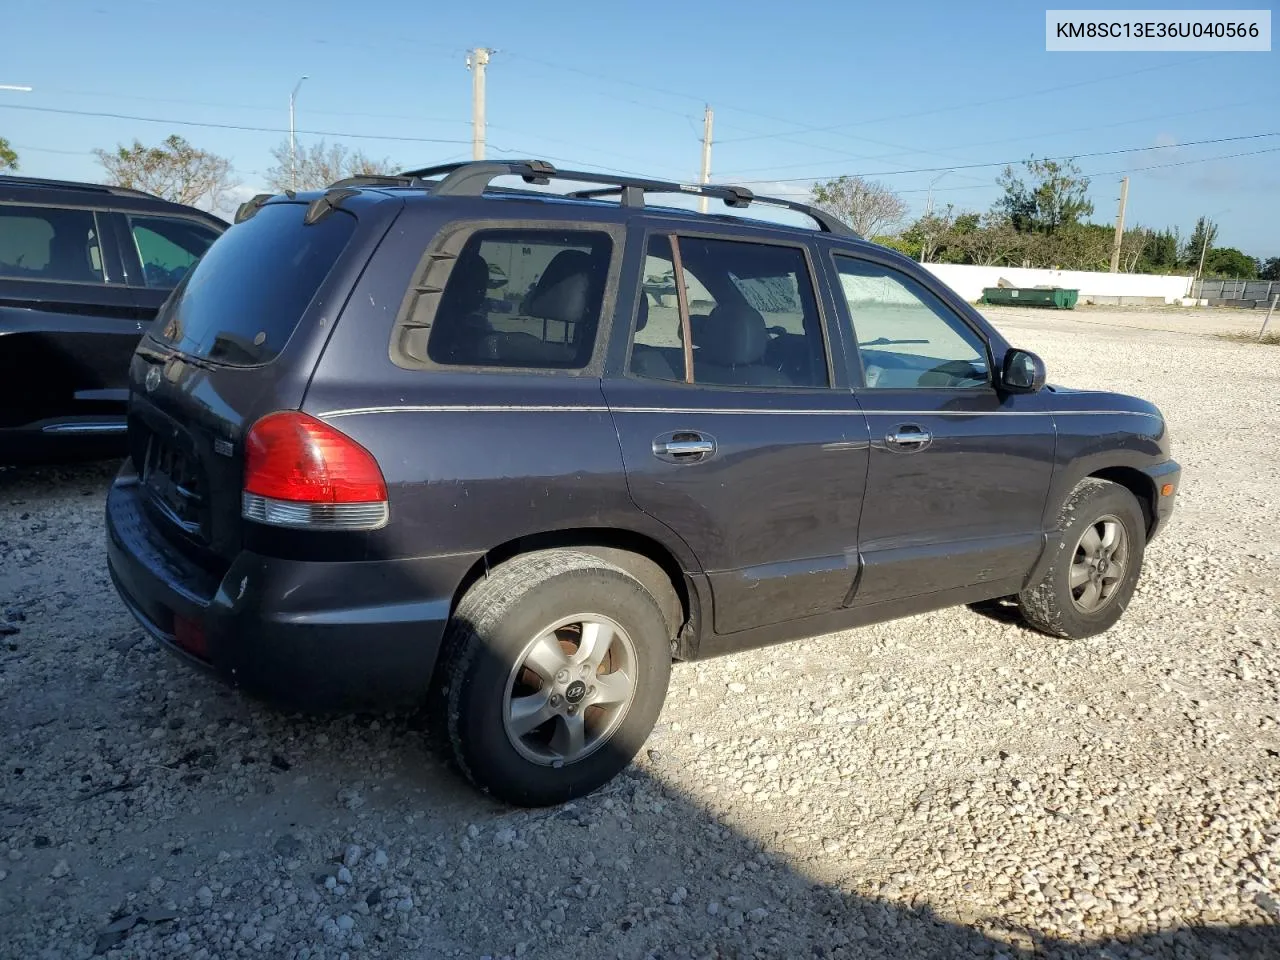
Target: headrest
{"type": "Point", "coordinates": [642, 316]}
{"type": "Point", "coordinates": [468, 285]}
{"type": "Point", "coordinates": [732, 336]}
{"type": "Point", "coordinates": [564, 292]}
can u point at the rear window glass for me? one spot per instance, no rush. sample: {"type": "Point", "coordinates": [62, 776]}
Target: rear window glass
{"type": "Point", "coordinates": [522, 298]}
{"type": "Point", "coordinates": [246, 295]}
{"type": "Point", "coordinates": [49, 243]}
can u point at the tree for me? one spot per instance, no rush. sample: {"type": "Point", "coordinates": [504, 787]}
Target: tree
{"type": "Point", "coordinates": [1202, 240]}
{"type": "Point", "coordinates": [903, 244]}
{"type": "Point", "coordinates": [8, 156]}
{"type": "Point", "coordinates": [1230, 262]}
{"type": "Point", "coordinates": [1163, 254]}
{"type": "Point", "coordinates": [869, 207]}
{"type": "Point", "coordinates": [1081, 246]}
{"type": "Point", "coordinates": [1055, 195]}
{"type": "Point", "coordinates": [175, 170]}
{"type": "Point", "coordinates": [1270, 269]}
{"type": "Point", "coordinates": [322, 164]}
{"type": "Point", "coordinates": [1133, 247]}
{"type": "Point", "coordinates": [994, 243]}
{"type": "Point", "coordinates": [931, 232]}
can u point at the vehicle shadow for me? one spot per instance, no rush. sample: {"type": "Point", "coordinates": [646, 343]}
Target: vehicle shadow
{"type": "Point", "coordinates": [657, 863]}
{"type": "Point", "coordinates": [707, 877]}
{"type": "Point", "coordinates": [1001, 610]}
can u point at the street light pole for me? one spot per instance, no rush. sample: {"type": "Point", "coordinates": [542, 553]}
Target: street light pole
{"type": "Point", "coordinates": [293, 146]}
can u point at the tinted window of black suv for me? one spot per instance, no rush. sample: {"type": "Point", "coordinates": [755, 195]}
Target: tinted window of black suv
{"type": "Point", "coordinates": [48, 243]}
{"type": "Point", "coordinates": [84, 268]}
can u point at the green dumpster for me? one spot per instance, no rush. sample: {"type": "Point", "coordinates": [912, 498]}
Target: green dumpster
{"type": "Point", "coordinates": [1060, 298]}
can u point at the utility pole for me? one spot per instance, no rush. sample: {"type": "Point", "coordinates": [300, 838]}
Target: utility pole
{"type": "Point", "coordinates": [477, 60]}
{"type": "Point", "coordinates": [293, 145]}
{"type": "Point", "coordinates": [707, 118]}
{"type": "Point", "coordinates": [928, 208]}
{"type": "Point", "coordinates": [1115, 246]}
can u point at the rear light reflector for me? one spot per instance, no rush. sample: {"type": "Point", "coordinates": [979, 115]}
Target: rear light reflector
{"type": "Point", "coordinates": [189, 635]}
{"type": "Point", "coordinates": [301, 472]}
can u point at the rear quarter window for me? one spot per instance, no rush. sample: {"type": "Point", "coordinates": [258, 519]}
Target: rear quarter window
{"type": "Point", "coordinates": [245, 296]}
{"type": "Point", "coordinates": [527, 297]}
{"type": "Point", "coordinates": [49, 243]}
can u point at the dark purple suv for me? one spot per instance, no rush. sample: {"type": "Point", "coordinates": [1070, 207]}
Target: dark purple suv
{"type": "Point", "coordinates": [508, 453]}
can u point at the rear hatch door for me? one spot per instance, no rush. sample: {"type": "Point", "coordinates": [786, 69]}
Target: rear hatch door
{"type": "Point", "coordinates": [239, 338]}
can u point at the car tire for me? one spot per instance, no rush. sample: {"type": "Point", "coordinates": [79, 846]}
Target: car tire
{"type": "Point", "coordinates": [527, 645]}
{"type": "Point", "coordinates": [1089, 582]}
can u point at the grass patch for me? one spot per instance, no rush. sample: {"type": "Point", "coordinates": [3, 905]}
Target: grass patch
{"type": "Point", "coordinates": [1271, 338]}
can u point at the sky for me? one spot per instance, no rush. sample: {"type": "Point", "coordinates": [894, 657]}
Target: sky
{"type": "Point", "coordinates": [913, 95]}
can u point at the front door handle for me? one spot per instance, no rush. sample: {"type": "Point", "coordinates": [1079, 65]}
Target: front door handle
{"type": "Point", "coordinates": [684, 447]}
{"type": "Point", "coordinates": [908, 438]}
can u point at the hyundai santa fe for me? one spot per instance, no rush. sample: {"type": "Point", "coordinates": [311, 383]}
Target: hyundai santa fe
{"type": "Point", "coordinates": [508, 454]}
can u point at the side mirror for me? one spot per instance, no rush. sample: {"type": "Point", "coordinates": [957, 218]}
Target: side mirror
{"type": "Point", "coordinates": [1023, 372]}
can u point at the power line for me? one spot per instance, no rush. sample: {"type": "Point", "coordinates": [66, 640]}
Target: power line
{"type": "Point", "coordinates": [1183, 163]}
{"type": "Point", "coordinates": [1111, 173]}
{"type": "Point", "coordinates": [1022, 138]}
{"type": "Point", "coordinates": [69, 153]}
{"type": "Point", "coordinates": [596, 76]}
{"type": "Point", "coordinates": [225, 126]}
{"type": "Point", "coordinates": [245, 106]}
{"type": "Point", "coordinates": [1003, 163]}
{"type": "Point", "coordinates": [692, 120]}
{"type": "Point", "coordinates": [284, 130]}
{"type": "Point", "coordinates": [964, 106]}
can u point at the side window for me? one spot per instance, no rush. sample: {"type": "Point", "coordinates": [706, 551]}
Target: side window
{"type": "Point", "coordinates": [524, 297]}
{"type": "Point", "coordinates": [753, 317]}
{"type": "Point", "coordinates": [168, 247]}
{"type": "Point", "coordinates": [657, 351]}
{"type": "Point", "coordinates": [906, 336]}
{"type": "Point", "coordinates": [49, 243]}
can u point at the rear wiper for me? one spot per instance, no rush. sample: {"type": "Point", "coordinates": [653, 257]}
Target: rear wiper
{"type": "Point", "coordinates": [883, 341]}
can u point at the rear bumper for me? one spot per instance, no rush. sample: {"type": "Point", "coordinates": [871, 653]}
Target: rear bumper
{"type": "Point", "coordinates": [299, 634]}
{"type": "Point", "coordinates": [1162, 474]}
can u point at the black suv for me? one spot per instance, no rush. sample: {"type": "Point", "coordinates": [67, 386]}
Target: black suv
{"type": "Point", "coordinates": [83, 269]}
{"type": "Point", "coordinates": [512, 452]}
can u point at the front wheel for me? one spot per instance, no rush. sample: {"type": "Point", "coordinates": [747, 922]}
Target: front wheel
{"type": "Point", "coordinates": [555, 669]}
{"type": "Point", "coordinates": [1091, 580]}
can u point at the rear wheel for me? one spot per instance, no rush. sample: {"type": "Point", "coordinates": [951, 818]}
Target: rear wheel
{"type": "Point", "coordinates": [1091, 580]}
{"type": "Point", "coordinates": [555, 669]}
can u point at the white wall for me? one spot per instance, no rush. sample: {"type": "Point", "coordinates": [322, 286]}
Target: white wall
{"type": "Point", "coordinates": [968, 281]}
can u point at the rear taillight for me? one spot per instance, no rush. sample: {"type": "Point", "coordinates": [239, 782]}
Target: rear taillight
{"type": "Point", "coordinates": [301, 472]}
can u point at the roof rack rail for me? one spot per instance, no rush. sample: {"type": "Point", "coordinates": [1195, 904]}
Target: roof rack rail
{"type": "Point", "coordinates": [472, 180]}
{"type": "Point", "coordinates": [376, 180]}
{"type": "Point", "coordinates": [23, 179]}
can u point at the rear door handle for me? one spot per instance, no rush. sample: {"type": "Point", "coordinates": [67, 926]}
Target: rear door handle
{"type": "Point", "coordinates": [908, 438]}
{"type": "Point", "coordinates": [684, 447]}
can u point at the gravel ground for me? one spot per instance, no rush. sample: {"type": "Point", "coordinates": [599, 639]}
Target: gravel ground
{"type": "Point", "coordinates": [947, 785]}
